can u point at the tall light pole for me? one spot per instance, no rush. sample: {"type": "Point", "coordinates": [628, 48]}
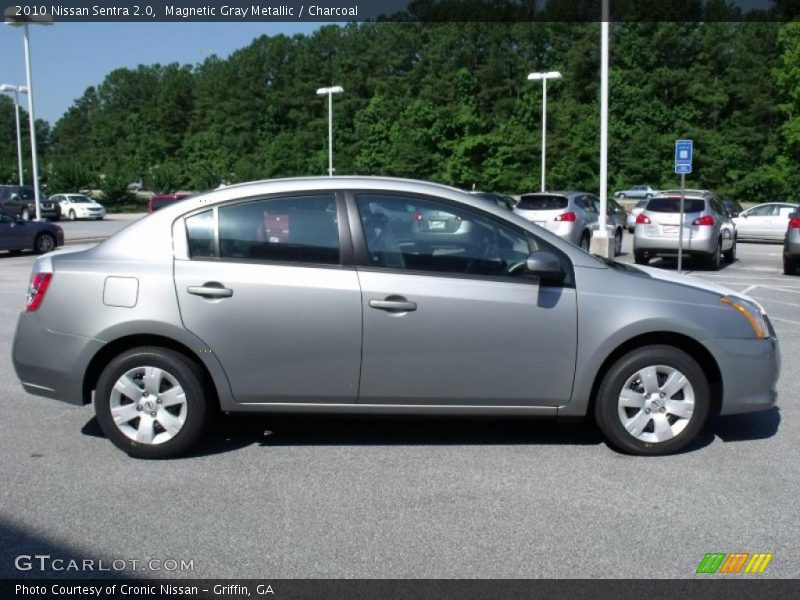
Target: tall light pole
{"type": "Point", "coordinates": [544, 77]}
{"type": "Point", "coordinates": [330, 91]}
{"type": "Point", "coordinates": [16, 90]}
{"type": "Point", "coordinates": [12, 19]}
{"type": "Point", "coordinates": [602, 244]}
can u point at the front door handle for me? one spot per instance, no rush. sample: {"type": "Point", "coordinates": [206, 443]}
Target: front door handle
{"type": "Point", "coordinates": [210, 290]}
{"type": "Point", "coordinates": [393, 305]}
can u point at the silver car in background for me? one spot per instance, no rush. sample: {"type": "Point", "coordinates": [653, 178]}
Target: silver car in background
{"type": "Point", "coordinates": [637, 192]}
{"type": "Point", "coordinates": [320, 295]}
{"type": "Point", "coordinates": [630, 221]}
{"type": "Point", "coordinates": [791, 245]}
{"type": "Point", "coordinates": [764, 222]}
{"type": "Point", "coordinates": [708, 231]}
{"type": "Point", "coordinates": [572, 216]}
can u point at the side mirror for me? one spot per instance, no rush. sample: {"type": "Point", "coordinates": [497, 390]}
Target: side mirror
{"type": "Point", "coordinates": [545, 265]}
{"type": "Point", "coordinates": [743, 215]}
{"type": "Point", "coordinates": [733, 214]}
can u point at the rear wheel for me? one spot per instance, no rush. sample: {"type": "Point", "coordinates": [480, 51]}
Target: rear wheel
{"type": "Point", "coordinates": [585, 241]}
{"type": "Point", "coordinates": [618, 242]}
{"type": "Point", "coordinates": [621, 196]}
{"type": "Point", "coordinates": [150, 402]}
{"type": "Point", "coordinates": [44, 242]}
{"type": "Point", "coordinates": [715, 260]}
{"type": "Point", "coordinates": [654, 400]}
{"type": "Point", "coordinates": [789, 266]}
{"type": "Point", "coordinates": [641, 258]}
{"type": "Point", "coordinates": [730, 255]}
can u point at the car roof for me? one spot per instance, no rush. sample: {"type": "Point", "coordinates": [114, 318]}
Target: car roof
{"type": "Point", "coordinates": [566, 194]}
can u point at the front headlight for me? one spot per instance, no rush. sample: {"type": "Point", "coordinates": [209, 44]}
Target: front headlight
{"type": "Point", "coordinates": [751, 312]}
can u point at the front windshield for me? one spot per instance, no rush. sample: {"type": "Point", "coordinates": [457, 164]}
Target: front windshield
{"type": "Point", "coordinates": [79, 199]}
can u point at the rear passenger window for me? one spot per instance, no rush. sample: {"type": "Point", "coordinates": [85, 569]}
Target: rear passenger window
{"type": "Point", "coordinates": [297, 229]}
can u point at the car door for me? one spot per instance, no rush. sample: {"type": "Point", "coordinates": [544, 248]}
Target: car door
{"type": "Point", "coordinates": [754, 222]}
{"type": "Point", "coordinates": [779, 221]}
{"type": "Point", "coordinates": [12, 235]}
{"type": "Point", "coordinates": [269, 286]}
{"type": "Point", "coordinates": [454, 320]}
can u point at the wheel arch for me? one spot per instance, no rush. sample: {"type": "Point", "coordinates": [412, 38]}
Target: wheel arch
{"type": "Point", "coordinates": [680, 341]}
{"type": "Point", "coordinates": [114, 348]}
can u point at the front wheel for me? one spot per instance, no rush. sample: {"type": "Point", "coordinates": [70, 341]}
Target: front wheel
{"type": "Point", "coordinates": [654, 400]}
{"type": "Point", "coordinates": [150, 402]}
{"type": "Point", "coordinates": [72, 215]}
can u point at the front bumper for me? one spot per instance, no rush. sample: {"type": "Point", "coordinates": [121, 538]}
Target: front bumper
{"type": "Point", "coordinates": [750, 371]}
{"type": "Point", "coordinates": [51, 364]}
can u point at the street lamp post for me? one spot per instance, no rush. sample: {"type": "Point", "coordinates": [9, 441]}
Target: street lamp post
{"type": "Point", "coordinates": [12, 19]}
{"type": "Point", "coordinates": [544, 77]}
{"type": "Point", "coordinates": [16, 90]}
{"type": "Point", "coordinates": [330, 91]}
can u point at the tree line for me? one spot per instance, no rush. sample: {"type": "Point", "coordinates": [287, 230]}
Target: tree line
{"type": "Point", "coordinates": [447, 102]}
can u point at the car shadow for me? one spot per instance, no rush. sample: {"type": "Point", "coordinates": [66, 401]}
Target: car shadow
{"type": "Point", "coordinates": [689, 264]}
{"type": "Point", "coordinates": [229, 433]}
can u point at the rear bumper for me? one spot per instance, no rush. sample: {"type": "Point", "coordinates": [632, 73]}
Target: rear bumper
{"type": "Point", "coordinates": [692, 244]}
{"type": "Point", "coordinates": [51, 364]}
{"type": "Point", "coordinates": [750, 371]}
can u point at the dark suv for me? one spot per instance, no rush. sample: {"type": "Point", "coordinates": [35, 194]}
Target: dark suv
{"type": "Point", "coordinates": [19, 200]}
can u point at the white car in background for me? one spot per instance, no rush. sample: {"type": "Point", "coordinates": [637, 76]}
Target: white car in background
{"type": "Point", "coordinates": [766, 222]}
{"type": "Point", "coordinates": [78, 206]}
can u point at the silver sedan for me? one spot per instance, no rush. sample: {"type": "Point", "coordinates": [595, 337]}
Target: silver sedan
{"type": "Point", "coordinates": [324, 295]}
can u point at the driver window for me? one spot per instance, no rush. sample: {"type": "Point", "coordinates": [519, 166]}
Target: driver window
{"type": "Point", "coordinates": [760, 211]}
{"type": "Point", "coordinates": [418, 234]}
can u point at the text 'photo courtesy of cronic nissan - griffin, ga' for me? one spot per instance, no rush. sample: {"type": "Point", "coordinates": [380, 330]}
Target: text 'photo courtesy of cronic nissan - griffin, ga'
{"type": "Point", "coordinates": [374, 296]}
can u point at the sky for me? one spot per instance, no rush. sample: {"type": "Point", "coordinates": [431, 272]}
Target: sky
{"type": "Point", "coordinates": [66, 58]}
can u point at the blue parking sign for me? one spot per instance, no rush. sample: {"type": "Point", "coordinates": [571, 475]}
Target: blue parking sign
{"type": "Point", "coordinates": [683, 156]}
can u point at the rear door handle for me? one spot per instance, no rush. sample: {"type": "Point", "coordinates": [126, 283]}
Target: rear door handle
{"type": "Point", "coordinates": [393, 305]}
{"type": "Point", "coordinates": [209, 290]}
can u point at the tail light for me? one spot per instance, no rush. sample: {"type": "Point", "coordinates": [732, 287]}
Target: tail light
{"type": "Point", "coordinates": [704, 220]}
{"type": "Point", "coordinates": [569, 217]}
{"type": "Point", "coordinates": [794, 223]}
{"type": "Point", "coordinates": [643, 219]}
{"type": "Point", "coordinates": [37, 290]}
{"type": "Point", "coordinates": [417, 216]}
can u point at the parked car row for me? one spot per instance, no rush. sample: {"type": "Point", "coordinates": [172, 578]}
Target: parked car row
{"type": "Point", "coordinates": [19, 201]}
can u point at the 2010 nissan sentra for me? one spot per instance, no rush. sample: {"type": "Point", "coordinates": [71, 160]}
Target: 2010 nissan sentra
{"type": "Point", "coordinates": [324, 295]}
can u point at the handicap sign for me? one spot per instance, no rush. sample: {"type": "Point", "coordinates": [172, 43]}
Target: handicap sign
{"type": "Point", "coordinates": [683, 156]}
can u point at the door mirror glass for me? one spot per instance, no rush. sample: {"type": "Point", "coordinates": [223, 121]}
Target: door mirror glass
{"type": "Point", "coordinates": [545, 265]}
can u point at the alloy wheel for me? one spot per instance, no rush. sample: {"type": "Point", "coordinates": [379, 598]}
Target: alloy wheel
{"type": "Point", "coordinates": [656, 403]}
{"type": "Point", "coordinates": [148, 405]}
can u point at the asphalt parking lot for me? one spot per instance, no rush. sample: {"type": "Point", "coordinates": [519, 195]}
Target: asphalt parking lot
{"type": "Point", "coordinates": [332, 497]}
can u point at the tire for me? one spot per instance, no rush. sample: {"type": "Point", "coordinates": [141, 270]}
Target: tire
{"type": "Point", "coordinates": [621, 196]}
{"type": "Point", "coordinates": [44, 242]}
{"type": "Point", "coordinates": [631, 229]}
{"type": "Point", "coordinates": [640, 258]}
{"type": "Point", "coordinates": [618, 242]}
{"type": "Point", "coordinates": [730, 255]}
{"type": "Point", "coordinates": [72, 216]}
{"type": "Point", "coordinates": [585, 241]}
{"type": "Point", "coordinates": [715, 260]}
{"type": "Point", "coordinates": [640, 423]}
{"type": "Point", "coordinates": [25, 214]}
{"type": "Point", "coordinates": [789, 266]}
{"type": "Point", "coordinates": [187, 414]}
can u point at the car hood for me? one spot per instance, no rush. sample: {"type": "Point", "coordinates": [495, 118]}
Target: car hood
{"type": "Point", "coordinates": [688, 280]}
